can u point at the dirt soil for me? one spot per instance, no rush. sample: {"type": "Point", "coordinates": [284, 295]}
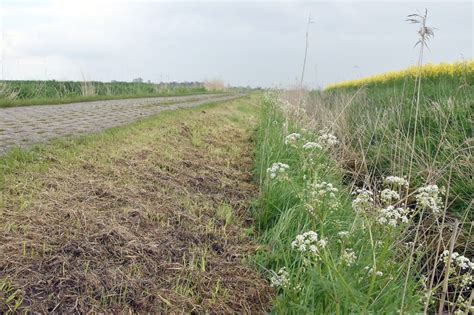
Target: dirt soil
{"type": "Point", "coordinates": [151, 217]}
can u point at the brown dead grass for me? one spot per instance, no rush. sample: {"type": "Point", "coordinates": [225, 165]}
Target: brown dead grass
{"type": "Point", "coordinates": [131, 221]}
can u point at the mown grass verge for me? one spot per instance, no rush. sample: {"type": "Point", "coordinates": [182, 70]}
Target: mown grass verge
{"type": "Point", "coordinates": [149, 217]}
{"type": "Point", "coordinates": [346, 263]}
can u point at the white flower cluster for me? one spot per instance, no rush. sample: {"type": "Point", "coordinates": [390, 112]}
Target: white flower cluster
{"type": "Point", "coordinates": [323, 189]}
{"type": "Point", "coordinates": [292, 139]}
{"type": "Point", "coordinates": [372, 270]}
{"type": "Point", "coordinates": [428, 197]}
{"type": "Point", "coordinates": [349, 257]}
{"type": "Point", "coordinates": [310, 209]}
{"type": "Point", "coordinates": [277, 171]}
{"type": "Point", "coordinates": [280, 279]}
{"type": "Point", "coordinates": [309, 243]}
{"type": "Point", "coordinates": [321, 192]}
{"type": "Point", "coordinates": [363, 201]}
{"type": "Point", "coordinates": [327, 140]}
{"type": "Point", "coordinates": [312, 146]}
{"type": "Point", "coordinates": [389, 213]}
{"type": "Point", "coordinates": [465, 265]}
{"type": "Point", "coordinates": [387, 195]}
{"type": "Point", "coordinates": [467, 280]}
{"type": "Point", "coordinates": [343, 234]}
{"type": "Point", "coordinates": [393, 216]}
{"type": "Point", "coordinates": [458, 260]}
{"type": "Point", "coordinates": [464, 307]}
{"type": "Point", "coordinates": [396, 181]}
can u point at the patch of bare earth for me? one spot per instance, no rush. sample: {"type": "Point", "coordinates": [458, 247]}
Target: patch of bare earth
{"type": "Point", "coordinates": [152, 218]}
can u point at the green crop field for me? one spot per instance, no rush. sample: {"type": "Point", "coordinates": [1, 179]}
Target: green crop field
{"type": "Point", "coordinates": [20, 93]}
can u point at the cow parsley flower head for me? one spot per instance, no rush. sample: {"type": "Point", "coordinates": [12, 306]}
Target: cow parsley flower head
{"type": "Point", "coordinates": [343, 234]}
{"type": "Point", "coordinates": [327, 139]}
{"type": "Point", "coordinates": [312, 146]}
{"type": "Point", "coordinates": [387, 195]}
{"type": "Point", "coordinates": [458, 260]}
{"type": "Point", "coordinates": [322, 192]}
{"type": "Point", "coordinates": [322, 189]}
{"type": "Point", "coordinates": [348, 257]}
{"type": "Point", "coordinates": [310, 209]}
{"type": "Point", "coordinates": [280, 279]}
{"type": "Point", "coordinates": [363, 201]}
{"type": "Point", "coordinates": [278, 171]}
{"type": "Point", "coordinates": [428, 197]}
{"type": "Point", "coordinates": [372, 270]}
{"type": "Point", "coordinates": [292, 139]}
{"type": "Point", "coordinates": [396, 181]}
{"type": "Point", "coordinates": [467, 280]}
{"type": "Point", "coordinates": [393, 216]}
{"type": "Point", "coordinates": [461, 267]}
{"type": "Point", "coordinates": [309, 244]}
{"type": "Point", "coordinates": [464, 306]}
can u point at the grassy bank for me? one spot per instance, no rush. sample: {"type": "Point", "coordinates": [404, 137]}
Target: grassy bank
{"type": "Point", "coordinates": [323, 254]}
{"type": "Point", "coordinates": [24, 93]}
{"type": "Point", "coordinates": [385, 126]}
{"type": "Point", "coordinates": [149, 217]}
{"type": "Point", "coordinates": [451, 74]}
{"type": "Point", "coordinates": [416, 132]}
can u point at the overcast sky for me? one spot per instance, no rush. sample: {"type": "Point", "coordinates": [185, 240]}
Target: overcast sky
{"type": "Point", "coordinates": [257, 43]}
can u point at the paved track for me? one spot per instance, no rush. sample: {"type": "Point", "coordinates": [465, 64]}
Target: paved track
{"type": "Point", "coordinates": [24, 126]}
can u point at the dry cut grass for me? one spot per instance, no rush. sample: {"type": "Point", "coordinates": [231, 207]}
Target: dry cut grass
{"type": "Point", "coordinates": [147, 218]}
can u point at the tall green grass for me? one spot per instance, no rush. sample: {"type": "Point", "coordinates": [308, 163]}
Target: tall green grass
{"type": "Point", "coordinates": [326, 286]}
{"type": "Point", "coordinates": [377, 123]}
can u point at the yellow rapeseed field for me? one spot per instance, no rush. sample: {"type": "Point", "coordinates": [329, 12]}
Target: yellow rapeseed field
{"type": "Point", "coordinates": [433, 71]}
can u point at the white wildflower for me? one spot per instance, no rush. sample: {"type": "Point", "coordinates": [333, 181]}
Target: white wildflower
{"type": "Point", "coordinates": [463, 262]}
{"type": "Point", "coordinates": [363, 200]}
{"type": "Point", "coordinates": [388, 195]}
{"type": "Point", "coordinates": [309, 244]}
{"type": "Point", "coordinates": [327, 140]}
{"type": "Point", "coordinates": [467, 280]}
{"type": "Point", "coordinates": [322, 243]}
{"type": "Point", "coordinates": [343, 234]}
{"type": "Point", "coordinates": [458, 261]}
{"type": "Point", "coordinates": [320, 192]}
{"type": "Point", "coordinates": [292, 139]}
{"type": "Point", "coordinates": [372, 270]}
{"type": "Point", "coordinates": [280, 279]}
{"type": "Point", "coordinates": [312, 146]}
{"type": "Point", "coordinates": [396, 181]}
{"type": "Point", "coordinates": [349, 257]}
{"type": "Point", "coordinates": [310, 209]}
{"type": "Point", "coordinates": [428, 197]}
{"type": "Point", "coordinates": [277, 171]}
{"type": "Point", "coordinates": [323, 188]}
{"type": "Point", "coordinates": [393, 216]}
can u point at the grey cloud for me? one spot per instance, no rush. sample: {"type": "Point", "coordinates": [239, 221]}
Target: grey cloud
{"type": "Point", "coordinates": [256, 43]}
